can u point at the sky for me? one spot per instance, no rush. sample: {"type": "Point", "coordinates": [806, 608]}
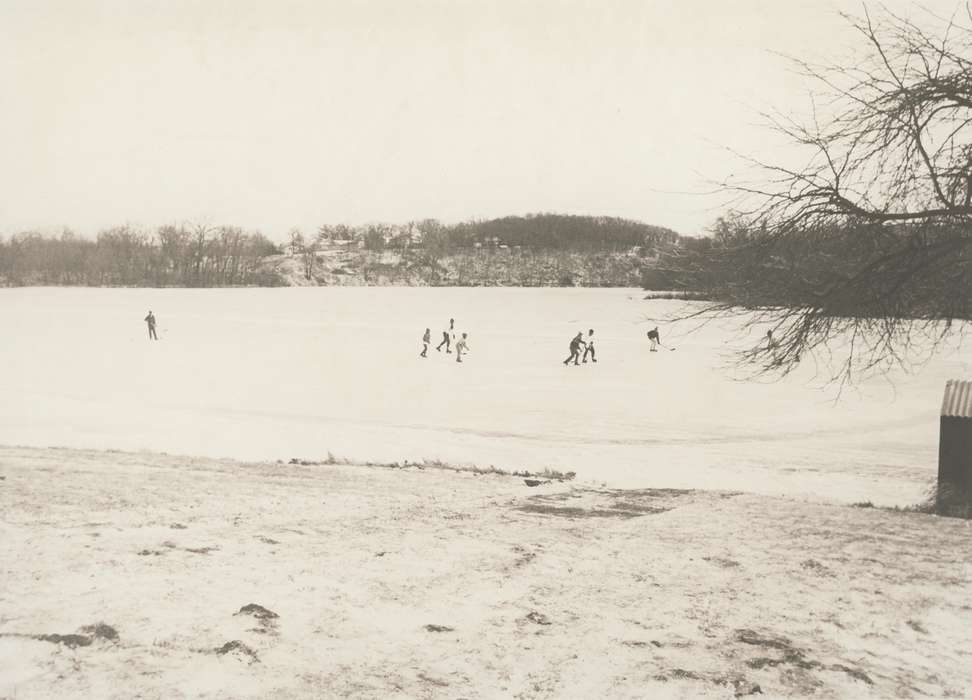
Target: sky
{"type": "Point", "coordinates": [280, 114]}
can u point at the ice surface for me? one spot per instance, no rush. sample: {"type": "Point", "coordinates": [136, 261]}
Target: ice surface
{"type": "Point", "coordinates": [281, 373]}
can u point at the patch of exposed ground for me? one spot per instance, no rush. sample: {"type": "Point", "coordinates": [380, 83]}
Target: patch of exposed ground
{"type": "Point", "coordinates": [608, 503]}
{"type": "Point", "coordinates": [85, 636]}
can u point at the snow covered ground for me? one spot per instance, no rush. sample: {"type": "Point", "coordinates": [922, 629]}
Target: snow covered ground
{"type": "Point", "coordinates": [281, 373]}
{"type": "Point", "coordinates": [129, 575]}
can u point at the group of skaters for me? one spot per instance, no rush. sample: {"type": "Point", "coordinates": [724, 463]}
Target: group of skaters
{"type": "Point", "coordinates": [448, 340]}
{"type": "Point", "coordinates": [581, 348]}
{"type": "Point", "coordinates": [577, 343]}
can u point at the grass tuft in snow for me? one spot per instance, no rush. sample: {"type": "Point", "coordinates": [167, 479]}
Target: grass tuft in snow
{"type": "Point", "coordinates": [940, 499]}
{"type": "Point", "coordinates": [331, 460]}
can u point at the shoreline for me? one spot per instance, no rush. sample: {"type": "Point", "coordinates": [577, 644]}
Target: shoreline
{"type": "Point", "coordinates": [206, 578]}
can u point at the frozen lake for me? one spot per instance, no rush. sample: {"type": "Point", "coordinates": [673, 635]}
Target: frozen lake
{"type": "Point", "coordinates": [300, 372]}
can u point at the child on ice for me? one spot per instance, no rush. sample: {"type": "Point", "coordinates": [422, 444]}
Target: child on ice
{"type": "Point", "coordinates": [461, 347]}
{"type": "Point", "coordinates": [589, 350]}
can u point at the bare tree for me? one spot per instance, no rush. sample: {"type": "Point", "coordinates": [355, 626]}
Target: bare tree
{"type": "Point", "coordinates": [864, 250]}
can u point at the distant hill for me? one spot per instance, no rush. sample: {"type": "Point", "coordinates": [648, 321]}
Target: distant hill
{"type": "Point", "coordinates": [564, 232]}
{"type": "Point", "coordinates": [518, 251]}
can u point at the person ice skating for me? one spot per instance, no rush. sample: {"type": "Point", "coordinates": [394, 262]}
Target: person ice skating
{"type": "Point", "coordinates": [461, 347]}
{"type": "Point", "coordinates": [426, 339]}
{"type": "Point", "coordinates": [589, 350]}
{"type": "Point", "coordinates": [575, 346]}
{"type": "Point", "coordinates": [654, 338]}
{"type": "Point", "coordinates": [448, 336]}
{"type": "Point", "coordinates": [150, 320]}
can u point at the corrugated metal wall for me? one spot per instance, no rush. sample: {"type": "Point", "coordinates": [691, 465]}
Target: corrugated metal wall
{"type": "Point", "coordinates": [957, 402]}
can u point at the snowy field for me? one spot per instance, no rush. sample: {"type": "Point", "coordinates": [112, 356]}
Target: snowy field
{"type": "Point", "coordinates": [131, 575]}
{"type": "Point", "coordinates": [281, 373]}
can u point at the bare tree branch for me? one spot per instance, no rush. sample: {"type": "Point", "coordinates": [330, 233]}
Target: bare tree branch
{"type": "Point", "coordinates": [865, 249]}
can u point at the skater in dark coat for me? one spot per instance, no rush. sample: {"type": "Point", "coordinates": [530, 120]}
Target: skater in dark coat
{"type": "Point", "coordinates": [447, 336]}
{"type": "Point", "coordinates": [150, 320]}
{"type": "Point", "coordinates": [426, 339]}
{"type": "Point", "coordinates": [589, 350]}
{"type": "Point", "coordinates": [575, 348]}
{"type": "Point", "coordinates": [654, 338]}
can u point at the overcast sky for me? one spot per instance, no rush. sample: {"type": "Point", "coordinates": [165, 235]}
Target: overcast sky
{"type": "Point", "coordinates": [276, 114]}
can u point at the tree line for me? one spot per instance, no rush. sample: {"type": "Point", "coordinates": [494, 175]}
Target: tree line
{"type": "Point", "coordinates": [213, 256]}
{"type": "Point", "coordinates": [181, 256]}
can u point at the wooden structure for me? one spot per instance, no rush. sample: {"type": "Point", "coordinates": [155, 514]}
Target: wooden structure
{"type": "Point", "coordinates": [955, 445]}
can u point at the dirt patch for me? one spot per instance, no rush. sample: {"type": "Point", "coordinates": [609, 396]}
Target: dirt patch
{"type": "Point", "coordinates": [640, 644]}
{"type": "Point", "coordinates": [524, 557]}
{"type": "Point", "coordinates": [764, 640]}
{"type": "Point", "coordinates": [238, 648]}
{"type": "Point", "coordinates": [590, 503]}
{"type": "Point", "coordinates": [791, 656]}
{"type": "Point", "coordinates": [916, 626]}
{"type": "Point", "coordinates": [91, 633]}
{"type": "Point", "coordinates": [741, 687]}
{"type": "Point", "coordinates": [172, 546]}
{"type": "Point", "coordinates": [816, 568]}
{"type": "Point", "coordinates": [101, 631]}
{"type": "Point", "coordinates": [258, 611]}
{"type": "Point", "coordinates": [432, 681]}
{"type": "Point", "coordinates": [439, 628]}
{"type": "Point", "coordinates": [678, 674]}
{"type": "Point", "coordinates": [202, 550]}
{"type": "Point", "coordinates": [569, 512]}
{"type": "Point", "coordinates": [722, 562]}
{"type": "Point", "coordinates": [538, 618]}
{"type": "Point", "coordinates": [69, 640]}
{"type": "Point", "coordinates": [652, 493]}
{"type": "Point", "coordinates": [267, 540]}
{"type": "Point", "coordinates": [266, 619]}
{"type": "Point", "coordinates": [640, 508]}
